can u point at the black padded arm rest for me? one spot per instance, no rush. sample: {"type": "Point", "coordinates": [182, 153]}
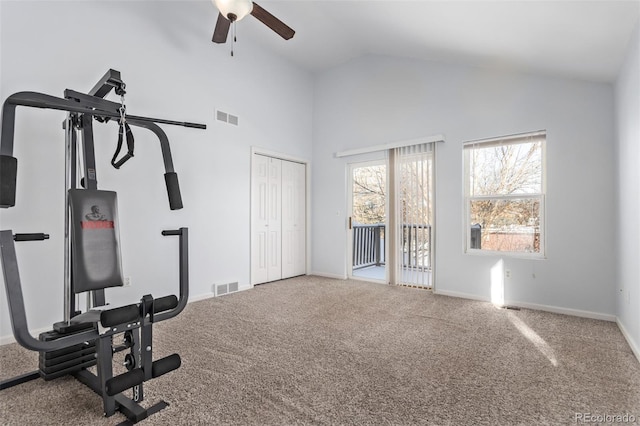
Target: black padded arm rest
{"type": "Point", "coordinates": [8, 173]}
{"type": "Point", "coordinates": [173, 190]}
{"type": "Point", "coordinates": [117, 316]}
{"type": "Point", "coordinates": [160, 304]}
{"type": "Point", "coordinates": [164, 303]}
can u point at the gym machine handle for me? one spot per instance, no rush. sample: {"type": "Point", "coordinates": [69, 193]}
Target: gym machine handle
{"type": "Point", "coordinates": [18, 314]}
{"type": "Point", "coordinates": [8, 173]}
{"type": "Point", "coordinates": [30, 237]}
{"type": "Point", "coordinates": [15, 300]}
{"type": "Point", "coordinates": [173, 191]}
{"type": "Point", "coordinates": [165, 303]}
{"type": "Point", "coordinates": [91, 105]}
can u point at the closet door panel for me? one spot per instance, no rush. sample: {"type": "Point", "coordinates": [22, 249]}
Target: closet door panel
{"type": "Point", "coordinates": [274, 202]}
{"type": "Point", "coordinates": [293, 219]}
{"type": "Point", "coordinates": [259, 219]}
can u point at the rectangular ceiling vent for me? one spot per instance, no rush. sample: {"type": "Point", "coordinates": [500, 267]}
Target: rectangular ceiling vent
{"type": "Point", "coordinates": [226, 117]}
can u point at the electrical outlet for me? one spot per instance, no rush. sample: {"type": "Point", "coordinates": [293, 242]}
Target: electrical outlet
{"type": "Point", "coordinates": [127, 281]}
{"type": "Point", "coordinates": [507, 273]}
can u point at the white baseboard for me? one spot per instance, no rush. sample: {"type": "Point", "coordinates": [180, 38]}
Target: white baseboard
{"type": "Point", "coordinates": [565, 311]}
{"type": "Point", "coordinates": [460, 295]}
{"type": "Point", "coordinates": [328, 275]}
{"type": "Point", "coordinates": [201, 297]}
{"type": "Point", "coordinates": [535, 306]}
{"type": "Point", "coordinates": [206, 296]}
{"type": "Point", "coordinates": [635, 348]}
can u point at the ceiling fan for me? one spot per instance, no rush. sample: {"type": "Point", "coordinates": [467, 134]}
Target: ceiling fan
{"type": "Point", "coordinates": [234, 10]}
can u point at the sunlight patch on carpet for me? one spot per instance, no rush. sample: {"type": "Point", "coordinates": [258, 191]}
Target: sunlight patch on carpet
{"type": "Point", "coordinates": [534, 338]}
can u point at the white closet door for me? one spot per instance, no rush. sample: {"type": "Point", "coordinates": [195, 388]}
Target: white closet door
{"type": "Point", "coordinates": [278, 219]}
{"type": "Point", "coordinates": [259, 219]}
{"type": "Point", "coordinates": [266, 219]}
{"type": "Point", "coordinates": [293, 219]}
{"type": "Point", "coordinates": [274, 225]}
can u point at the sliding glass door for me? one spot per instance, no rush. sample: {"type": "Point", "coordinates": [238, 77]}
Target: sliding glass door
{"type": "Point", "coordinates": [368, 220]}
{"type": "Point", "coordinates": [391, 205]}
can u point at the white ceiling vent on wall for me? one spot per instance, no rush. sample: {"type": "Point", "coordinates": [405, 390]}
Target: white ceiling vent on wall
{"type": "Point", "coordinates": [221, 289]}
{"type": "Point", "coordinates": [226, 117]}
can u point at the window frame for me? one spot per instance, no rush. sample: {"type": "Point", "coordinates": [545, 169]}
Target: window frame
{"type": "Point", "coordinates": [540, 197]}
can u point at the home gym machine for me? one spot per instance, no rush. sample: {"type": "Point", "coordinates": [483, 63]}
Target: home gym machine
{"type": "Point", "coordinates": [92, 257]}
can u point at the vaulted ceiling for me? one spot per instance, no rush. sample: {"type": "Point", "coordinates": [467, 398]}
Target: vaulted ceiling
{"type": "Point", "coordinates": [584, 39]}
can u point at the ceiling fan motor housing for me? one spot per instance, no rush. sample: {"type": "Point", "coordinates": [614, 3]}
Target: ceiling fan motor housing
{"type": "Point", "coordinates": [234, 10]}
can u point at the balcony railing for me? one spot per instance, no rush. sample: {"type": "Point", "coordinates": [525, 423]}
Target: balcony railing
{"type": "Point", "coordinates": [416, 246]}
{"type": "Point", "coordinates": [369, 246]}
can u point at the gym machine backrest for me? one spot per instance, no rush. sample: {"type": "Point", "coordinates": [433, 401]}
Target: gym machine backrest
{"type": "Point", "coordinates": [92, 257]}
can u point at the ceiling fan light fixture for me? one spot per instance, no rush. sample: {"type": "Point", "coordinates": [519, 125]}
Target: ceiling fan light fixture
{"type": "Point", "coordinates": [234, 10]}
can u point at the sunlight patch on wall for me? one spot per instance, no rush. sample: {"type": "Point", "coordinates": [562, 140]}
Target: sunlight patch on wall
{"type": "Point", "coordinates": [497, 283]}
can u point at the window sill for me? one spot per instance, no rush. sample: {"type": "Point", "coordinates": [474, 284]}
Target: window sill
{"type": "Point", "coordinates": [510, 254]}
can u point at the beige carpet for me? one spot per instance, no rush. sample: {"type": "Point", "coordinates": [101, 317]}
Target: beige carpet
{"type": "Point", "coordinates": [319, 351]}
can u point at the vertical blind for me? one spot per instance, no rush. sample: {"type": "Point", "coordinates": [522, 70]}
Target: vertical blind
{"type": "Point", "coordinates": [413, 212]}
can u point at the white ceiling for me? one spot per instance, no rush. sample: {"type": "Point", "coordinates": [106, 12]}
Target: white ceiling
{"type": "Point", "coordinates": [585, 39]}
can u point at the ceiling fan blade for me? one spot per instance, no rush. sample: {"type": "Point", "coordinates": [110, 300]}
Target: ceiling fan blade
{"type": "Point", "coordinates": [222, 29]}
{"type": "Point", "coordinates": [272, 22]}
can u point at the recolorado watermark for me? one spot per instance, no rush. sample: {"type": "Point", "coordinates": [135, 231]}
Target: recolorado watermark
{"type": "Point", "coordinates": [605, 418]}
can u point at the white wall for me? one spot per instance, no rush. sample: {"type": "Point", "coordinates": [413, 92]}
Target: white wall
{"type": "Point", "coordinates": [172, 71]}
{"type": "Point", "coordinates": [627, 92]}
{"type": "Point", "coordinates": [376, 100]}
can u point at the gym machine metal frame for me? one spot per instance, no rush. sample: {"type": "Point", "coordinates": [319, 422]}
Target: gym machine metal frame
{"type": "Point", "coordinates": [84, 344]}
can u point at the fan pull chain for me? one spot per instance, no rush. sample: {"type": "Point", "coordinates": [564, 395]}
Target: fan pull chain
{"type": "Point", "coordinates": [233, 41]}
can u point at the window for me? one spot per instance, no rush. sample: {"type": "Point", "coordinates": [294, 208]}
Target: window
{"type": "Point", "coordinates": [504, 194]}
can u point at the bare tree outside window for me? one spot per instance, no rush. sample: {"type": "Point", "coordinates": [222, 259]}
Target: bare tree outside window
{"type": "Point", "coordinates": [504, 191]}
{"type": "Point", "coordinates": [369, 194]}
